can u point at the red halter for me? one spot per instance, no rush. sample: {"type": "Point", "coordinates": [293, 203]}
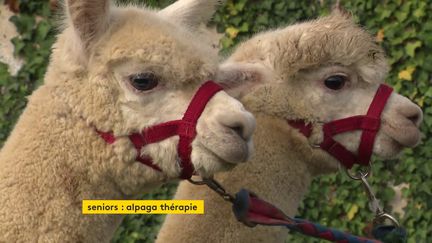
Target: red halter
{"type": "Point", "coordinates": [184, 128]}
{"type": "Point", "coordinates": [369, 123]}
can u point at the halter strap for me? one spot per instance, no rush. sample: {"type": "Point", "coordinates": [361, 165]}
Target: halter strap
{"type": "Point", "coordinates": [369, 124]}
{"type": "Point", "coordinates": [184, 128]}
{"type": "Point", "coordinates": [187, 131]}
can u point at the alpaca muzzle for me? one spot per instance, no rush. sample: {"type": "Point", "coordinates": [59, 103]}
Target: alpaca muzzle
{"type": "Point", "coordinates": [369, 124]}
{"type": "Point", "coordinates": [184, 128]}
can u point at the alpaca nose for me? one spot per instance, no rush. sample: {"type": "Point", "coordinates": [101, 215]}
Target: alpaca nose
{"type": "Point", "coordinates": [416, 119]}
{"type": "Point", "coordinates": [242, 123]}
{"type": "Point", "coordinates": [413, 113]}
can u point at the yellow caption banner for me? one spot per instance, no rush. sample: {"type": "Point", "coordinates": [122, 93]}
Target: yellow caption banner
{"type": "Point", "coordinates": [143, 206]}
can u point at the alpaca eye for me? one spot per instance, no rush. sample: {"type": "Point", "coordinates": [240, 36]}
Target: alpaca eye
{"type": "Point", "coordinates": [143, 81]}
{"type": "Point", "coordinates": [335, 82]}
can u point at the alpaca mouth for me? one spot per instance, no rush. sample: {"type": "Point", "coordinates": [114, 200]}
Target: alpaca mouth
{"type": "Point", "coordinates": [392, 141]}
{"type": "Point", "coordinates": [231, 148]}
{"type": "Point", "coordinates": [404, 136]}
{"type": "Point", "coordinates": [234, 154]}
{"type": "Point", "coordinates": [229, 144]}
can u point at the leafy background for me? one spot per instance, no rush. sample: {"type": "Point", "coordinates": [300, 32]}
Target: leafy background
{"type": "Point", "coordinates": [404, 29]}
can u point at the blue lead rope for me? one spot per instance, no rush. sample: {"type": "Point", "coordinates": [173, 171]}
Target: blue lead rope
{"type": "Point", "coordinates": [390, 234]}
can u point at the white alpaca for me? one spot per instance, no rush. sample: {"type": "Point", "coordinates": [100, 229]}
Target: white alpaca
{"type": "Point", "coordinates": [114, 70]}
{"type": "Point", "coordinates": [323, 70]}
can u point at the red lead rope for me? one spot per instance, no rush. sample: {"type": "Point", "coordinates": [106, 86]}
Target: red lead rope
{"type": "Point", "coordinates": [252, 210]}
{"type": "Point", "coordinates": [369, 124]}
{"type": "Point", "coordinates": [184, 128]}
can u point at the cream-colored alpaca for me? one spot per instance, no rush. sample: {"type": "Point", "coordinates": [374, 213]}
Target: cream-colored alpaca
{"type": "Point", "coordinates": [113, 69]}
{"type": "Point", "coordinates": [324, 70]}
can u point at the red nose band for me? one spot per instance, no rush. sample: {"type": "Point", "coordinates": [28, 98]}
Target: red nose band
{"type": "Point", "coordinates": [184, 128]}
{"type": "Point", "coordinates": [369, 124]}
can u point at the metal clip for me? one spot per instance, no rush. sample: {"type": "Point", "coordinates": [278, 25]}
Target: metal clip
{"type": "Point", "coordinates": [215, 186]}
{"type": "Point", "coordinates": [360, 174]}
{"type": "Point", "coordinates": [374, 204]}
{"type": "Point", "coordinates": [198, 183]}
{"type": "Point", "coordinates": [373, 201]}
{"type": "Point", "coordinates": [380, 218]}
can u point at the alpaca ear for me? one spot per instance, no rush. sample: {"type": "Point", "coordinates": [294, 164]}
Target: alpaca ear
{"type": "Point", "coordinates": [338, 9]}
{"type": "Point", "coordinates": [238, 79]}
{"type": "Point", "coordinates": [88, 18]}
{"type": "Point", "coordinates": [191, 12]}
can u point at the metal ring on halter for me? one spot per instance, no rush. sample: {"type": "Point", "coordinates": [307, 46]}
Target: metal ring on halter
{"type": "Point", "coordinates": [360, 174]}
{"type": "Point", "coordinates": [379, 218]}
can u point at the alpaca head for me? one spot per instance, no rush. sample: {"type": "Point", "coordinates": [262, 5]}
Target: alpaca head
{"type": "Point", "coordinates": [128, 68]}
{"type": "Point", "coordinates": [324, 70]}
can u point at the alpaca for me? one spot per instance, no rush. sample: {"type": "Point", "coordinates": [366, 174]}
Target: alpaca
{"type": "Point", "coordinates": [114, 71]}
{"type": "Point", "coordinates": [323, 70]}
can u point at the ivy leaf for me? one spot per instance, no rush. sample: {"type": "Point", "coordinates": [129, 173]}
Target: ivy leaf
{"type": "Point", "coordinates": [42, 30]}
{"type": "Point", "coordinates": [240, 6]}
{"type": "Point", "coordinates": [401, 16]}
{"type": "Point", "coordinates": [385, 14]}
{"type": "Point", "coordinates": [18, 44]}
{"type": "Point", "coordinates": [244, 27]}
{"type": "Point", "coordinates": [407, 73]}
{"type": "Point", "coordinates": [226, 42]}
{"type": "Point", "coordinates": [411, 47]}
{"type": "Point", "coordinates": [232, 32]}
{"type": "Point", "coordinates": [263, 19]}
{"type": "Point", "coordinates": [380, 35]}
{"type": "Point", "coordinates": [420, 11]}
{"type": "Point", "coordinates": [352, 212]}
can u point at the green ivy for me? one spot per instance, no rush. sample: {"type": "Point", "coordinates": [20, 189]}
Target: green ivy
{"type": "Point", "coordinates": [242, 18]}
{"type": "Point", "coordinates": [403, 27]}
